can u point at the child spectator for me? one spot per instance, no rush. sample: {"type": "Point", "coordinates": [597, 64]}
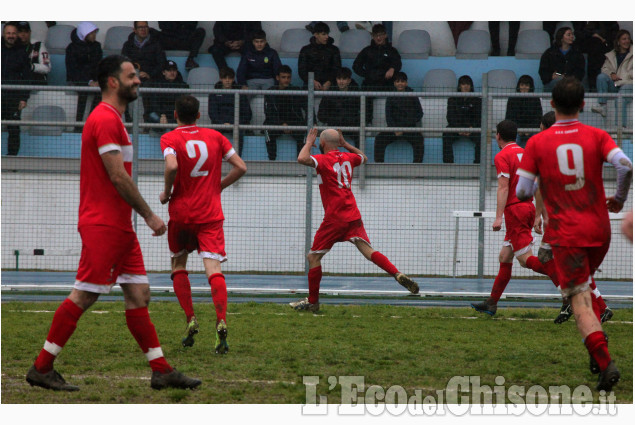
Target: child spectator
{"type": "Point", "coordinates": [463, 112]}
{"type": "Point", "coordinates": [526, 112]}
{"type": "Point", "coordinates": [284, 110]}
{"type": "Point", "coordinates": [259, 64]}
{"type": "Point", "coordinates": [231, 37]}
{"type": "Point", "coordinates": [161, 105]}
{"type": "Point", "coordinates": [342, 111]}
{"type": "Point", "coordinates": [321, 57]}
{"type": "Point", "coordinates": [401, 112]}
{"type": "Point", "coordinates": [221, 106]}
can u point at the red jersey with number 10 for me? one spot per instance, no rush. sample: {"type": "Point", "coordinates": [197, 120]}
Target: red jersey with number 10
{"type": "Point", "coordinates": [569, 157]}
{"type": "Point", "coordinates": [335, 174]}
{"type": "Point", "coordinates": [199, 153]}
{"type": "Point", "coordinates": [507, 161]}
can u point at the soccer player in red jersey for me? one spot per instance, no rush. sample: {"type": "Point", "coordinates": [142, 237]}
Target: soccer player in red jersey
{"type": "Point", "coordinates": [519, 217]}
{"type": "Point", "coordinates": [342, 220]}
{"type": "Point", "coordinates": [110, 249]}
{"type": "Point", "coordinates": [193, 184]}
{"type": "Point", "coordinates": [569, 159]}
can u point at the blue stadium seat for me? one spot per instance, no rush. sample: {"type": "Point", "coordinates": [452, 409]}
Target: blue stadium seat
{"type": "Point", "coordinates": [292, 41]}
{"type": "Point", "coordinates": [254, 148]}
{"type": "Point", "coordinates": [150, 146]}
{"type": "Point", "coordinates": [115, 38]}
{"type": "Point", "coordinates": [502, 80]}
{"type": "Point", "coordinates": [440, 80]}
{"type": "Point", "coordinates": [414, 44]}
{"type": "Point", "coordinates": [352, 42]}
{"type": "Point", "coordinates": [433, 153]}
{"type": "Point", "coordinates": [398, 152]}
{"type": "Point", "coordinates": [463, 151]}
{"type": "Point", "coordinates": [57, 38]}
{"type": "Point", "coordinates": [627, 147]}
{"type": "Point", "coordinates": [202, 77]}
{"type": "Point", "coordinates": [48, 113]}
{"type": "Point", "coordinates": [531, 44]}
{"type": "Point", "coordinates": [473, 44]}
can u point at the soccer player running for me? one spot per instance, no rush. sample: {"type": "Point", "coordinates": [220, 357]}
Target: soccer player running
{"type": "Point", "coordinates": [519, 217]}
{"type": "Point", "coordinates": [342, 220]}
{"type": "Point", "coordinates": [193, 184]}
{"type": "Point", "coordinates": [110, 250]}
{"type": "Point", "coordinates": [569, 159]}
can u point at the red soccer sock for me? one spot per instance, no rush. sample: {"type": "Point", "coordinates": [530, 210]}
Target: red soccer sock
{"type": "Point", "coordinates": [183, 292]}
{"type": "Point", "coordinates": [501, 281]}
{"type": "Point", "coordinates": [595, 291]}
{"type": "Point", "coordinates": [315, 277]}
{"type": "Point", "coordinates": [384, 263]}
{"type": "Point", "coordinates": [550, 268]}
{"type": "Point", "coordinates": [63, 325]}
{"type": "Point", "coordinates": [219, 295]}
{"type": "Point", "coordinates": [598, 348]}
{"type": "Point", "coordinates": [142, 329]}
{"type": "Point", "coordinates": [534, 263]}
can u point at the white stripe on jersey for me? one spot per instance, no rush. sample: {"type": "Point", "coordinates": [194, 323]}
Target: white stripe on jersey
{"type": "Point", "coordinates": [362, 157]}
{"type": "Point", "coordinates": [168, 151]}
{"type": "Point", "coordinates": [315, 162]}
{"type": "Point", "coordinates": [611, 154]}
{"type": "Point", "coordinates": [109, 147]}
{"type": "Point", "coordinates": [503, 174]}
{"type": "Point", "coordinates": [127, 153]}
{"type": "Point", "coordinates": [228, 155]}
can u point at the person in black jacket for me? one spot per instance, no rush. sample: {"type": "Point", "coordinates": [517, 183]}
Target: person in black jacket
{"type": "Point", "coordinates": [161, 105]}
{"type": "Point", "coordinates": [598, 40]}
{"type": "Point", "coordinates": [221, 106]}
{"type": "Point", "coordinates": [463, 112]}
{"type": "Point", "coordinates": [145, 51]}
{"type": "Point", "coordinates": [342, 111]}
{"type": "Point", "coordinates": [526, 112]}
{"type": "Point", "coordinates": [259, 64]}
{"type": "Point", "coordinates": [38, 55]}
{"type": "Point", "coordinates": [16, 68]}
{"type": "Point", "coordinates": [401, 112]}
{"type": "Point", "coordinates": [182, 35]}
{"type": "Point", "coordinates": [284, 110]}
{"type": "Point", "coordinates": [231, 37]}
{"type": "Point", "coordinates": [321, 57]}
{"type": "Point", "coordinates": [560, 60]}
{"type": "Point", "coordinates": [82, 57]}
{"type": "Point", "coordinates": [377, 64]}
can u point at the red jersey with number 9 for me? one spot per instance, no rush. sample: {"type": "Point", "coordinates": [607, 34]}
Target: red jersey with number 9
{"type": "Point", "coordinates": [335, 174]}
{"type": "Point", "coordinates": [199, 153]}
{"type": "Point", "coordinates": [569, 158]}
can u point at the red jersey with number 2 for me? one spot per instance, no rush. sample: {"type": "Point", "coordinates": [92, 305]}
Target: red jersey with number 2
{"type": "Point", "coordinates": [199, 153]}
{"type": "Point", "coordinates": [335, 174]}
{"type": "Point", "coordinates": [569, 157]}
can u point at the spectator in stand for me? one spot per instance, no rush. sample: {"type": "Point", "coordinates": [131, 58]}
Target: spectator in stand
{"type": "Point", "coordinates": [259, 64]}
{"type": "Point", "coordinates": [38, 54]}
{"type": "Point", "coordinates": [284, 110]}
{"type": "Point", "coordinates": [550, 28]}
{"type": "Point", "coordinates": [221, 106]}
{"type": "Point", "coordinates": [457, 27]}
{"type": "Point", "coordinates": [617, 72]}
{"type": "Point", "coordinates": [342, 111]}
{"type": "Point", "coordinates": [341, 25]}
{"type": "Point", "coordinates": [377, 64]}
{"type": "Point", "coordinates": [182, 35]}
{"type": "Point", "coordinates": [321, 57]}
{"type": "Point", "coordinates": [598, 41]}
{"type": "Point", "coordinates": [144, 49]}
{"type": "Point", "coordinates": [463, 112]}
{"type": "Point", "coordinates": [231, 37]}
{"type": "Point", "coordinates": [494, 33]}
{"type": "Point", "coordinates": [82, 57]}
{"type": "Point", "coordinates": [16, 68]}
{"type": "Point", "coordinates": [401, 112]}
{"type": "Point", "coordinates": [560, 60]}
{"type": "Point", "coordinates": [526, 112]}
{"type": "Point", "coordinates": [161, 105]}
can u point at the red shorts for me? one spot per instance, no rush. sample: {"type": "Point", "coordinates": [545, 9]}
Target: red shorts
{"type": "Point", "coordinates": [331, 232]}
{"type": "Point", "coordinates": [109, 256]}
{"type": "Point", "coordinates": [519, 221]}
{"type": "Point", "coordinates": [575, 266]}
{"type": "Point", "coordinates": [207, 238]}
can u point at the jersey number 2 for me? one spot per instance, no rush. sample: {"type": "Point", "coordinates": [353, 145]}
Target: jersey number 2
{"type": "Point", "coordinates": [571, 154]}
{"type": "Point", "coordinates": [191, 152]}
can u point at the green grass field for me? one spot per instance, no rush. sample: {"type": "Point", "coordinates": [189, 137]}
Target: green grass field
{"type": "Point", "coordinates": [273, 347]}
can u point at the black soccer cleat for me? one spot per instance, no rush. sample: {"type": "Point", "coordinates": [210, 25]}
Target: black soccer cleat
{"type": "Point", "coordinates": [565, 314]}
{"type": "Point", "coordinates": [484, 307]}
{"type": "Point", "coordinates": [407, 283]}
{"type": "Point", "coordinates": [608, 378]}
{"type": "Point", "coordinates": [51, 380]}
{"type": "Point", "coordinates": [607, 315]}
{"type": "Point", "coordinates": [174, 379]}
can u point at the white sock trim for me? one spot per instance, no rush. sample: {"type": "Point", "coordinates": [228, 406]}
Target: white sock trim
{"type": "Point", "coordinates": [154, 353]}
{"type": "Point", "coordinates": [52, 348]}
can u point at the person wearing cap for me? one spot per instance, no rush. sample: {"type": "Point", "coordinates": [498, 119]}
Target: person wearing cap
{"type": "Point", "coordinates": [38, 54]}
{"type": "Point", "coordinates": [145, 51]}
{"type": "Point", "coordinates": [161, 105]}
{"type": "Point", "coordinates": [321, 57]}
{"type": "Point", "coordinates": [82, 57]}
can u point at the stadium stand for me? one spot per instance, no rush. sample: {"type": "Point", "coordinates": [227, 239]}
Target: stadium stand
{"type": "Point", "coordinates": [115, 38]}
{"type": "Point", "coordinates": [414, 44]}
{"type": "Point", "coordinates": [48, 113]}
{"type": "Point", "coordinates": [352, 42]}
{"type": "Point", "coordinates": [292, 41]}
{"type": "Point", "coordinates": [531, 44]}
{"type": "Point", "coordinates": [473, 44]}
{"type": "Point", "coordinates": [57, 38]}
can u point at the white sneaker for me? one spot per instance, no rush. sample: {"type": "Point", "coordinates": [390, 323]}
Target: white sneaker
{"type": "Point", "coordinates": [600, 109]}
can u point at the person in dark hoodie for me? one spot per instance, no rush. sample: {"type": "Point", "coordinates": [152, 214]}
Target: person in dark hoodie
{"type": "Point", "coordinates": [526, 112]}
{"type": "Point", "coordinates": [231, 37]}
{"type": "Point", "coordinates": [161, 105]}
{"type": "Point", "coordinates": [284, 110]}
{"type": "Point", "coordinates": [321, 57]}
{"type": "Point", "coordinates": [401, 112]}
{"type": "Point", "coordinates": [560, 60]}
{"type": "Point", "coordinates": [145, 51]}
{"type": "Point", "coordinates": [82, 57]}
{"type": "Point", "coordinates": [341, 111]}
{"type": "Point", "coordinates": [463, 112]}
{"type": "Point", "coordinates": [221, 106]}
{"type": "Point", "coordinates": [259, 64]}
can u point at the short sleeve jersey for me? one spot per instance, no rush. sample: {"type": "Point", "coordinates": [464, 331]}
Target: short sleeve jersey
{"type": "Point", "coordinates": [569, 157]}
{"type": "Point", "coordinates": [99, 201]}
{"type": "Point", "coordinates": [335, 174]}
{"type": "Point", "coordinates": [199, 153]}
{"type": "Point", "coordinates": [506, 162]}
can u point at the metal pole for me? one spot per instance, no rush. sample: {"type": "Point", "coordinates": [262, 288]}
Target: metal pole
{"type": "Point", "coordinates": [618, 111]}
{"type": "Point", "coordinates": [309, 175]}
{"type": "Point", "coordinates": [235, 132]}
{"type": "Point", "coordinates": [456, 243]}
{"type": "Point", "coordinates": [362, 139]}
{"type": "Point", "coordinates": [135, 150]}
{"type": "Point", "coordinates": [483, 168]}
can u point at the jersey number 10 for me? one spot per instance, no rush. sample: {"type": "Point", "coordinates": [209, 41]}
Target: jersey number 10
{"type": "Point", "coordinates": [344, 172]}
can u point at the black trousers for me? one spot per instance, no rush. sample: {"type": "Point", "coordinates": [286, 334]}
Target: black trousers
{"type": "Point", "coordinates": [272, 143]}
{"type": "Point", "coordinates": [82, 100]}
{"type": "Point", "coordinates": [494, 31]}
{"type": "Point", "coordinates": [219, 51]}
{"type": "Point", "coordinates": [192, 43]}
{"type": "Point", "coordinates": [10, 112]}
{"type": "Point", "coordinates": [384, 139]}
{"type": "Point", "coordinates": [450, 138]}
